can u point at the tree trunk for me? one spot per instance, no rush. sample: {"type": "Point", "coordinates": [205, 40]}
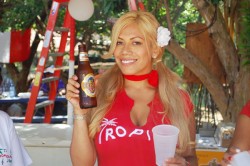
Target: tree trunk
{"type": "Point", "coordinates": [228, 101]}
{"type": "Point", "coordinates": [242, 84]}
{"type": "Point", "coordinates": [242, 91]}
{"type": "Point", "coordinates": [222, 41]}
{"type": "Point", "coordinates": [211, 82]}
{"type": "Point", "coordinates": [238, 77]}
{"type": "Point", "coordinates": [20, 77]}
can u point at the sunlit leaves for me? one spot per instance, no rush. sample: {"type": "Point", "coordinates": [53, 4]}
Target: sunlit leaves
{"type": "Point", "coordinates": [20, 15]}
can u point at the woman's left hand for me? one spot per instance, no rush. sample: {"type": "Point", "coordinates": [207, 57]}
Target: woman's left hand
{"type": "Point", "coordinates": [177, 160]}
{"type": "Point", "coordinates": [229, 154]}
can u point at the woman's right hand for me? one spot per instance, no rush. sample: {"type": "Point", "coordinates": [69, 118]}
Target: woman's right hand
{"type": "Point", "coordinates": [72, 93]}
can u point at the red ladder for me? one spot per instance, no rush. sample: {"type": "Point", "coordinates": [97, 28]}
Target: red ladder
{"type": "Point", "coordinates": [133, 5]}
{"type": "Point", "coordinates": [68, 26]}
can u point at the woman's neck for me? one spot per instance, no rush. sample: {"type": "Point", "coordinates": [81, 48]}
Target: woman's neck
{"type": "Point", "coordinates": [137, 84]}
{"type": "Point", "coordinates": [151, 78]}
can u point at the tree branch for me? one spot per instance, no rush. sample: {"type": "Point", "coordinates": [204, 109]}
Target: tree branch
{"type": "Point", "coordinates": [178, 10]}
{"type": "Point", "coordinates": [170, 25]}
{"type": "Point", "coordinates": [208, 79]}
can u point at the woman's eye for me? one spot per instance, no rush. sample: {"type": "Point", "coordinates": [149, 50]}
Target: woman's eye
{"type": "Point", "coordinates": [137, 43]}
{"type": "Point", "coordinates": [118, 43]}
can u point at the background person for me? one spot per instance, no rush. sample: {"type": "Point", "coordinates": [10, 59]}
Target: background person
{"type": "Point", "coordinates": [241, 138]}
{"type": "Point", "coordinates": [48, 72]}
{"type": "Point", "coordinates": [12, 151]}
{"type": "Point", "coordinates": [136, 94]}
{"type": "Point", "coordinates": [15, 109]}
{"type": "Point", "coordinates": [60, 108]}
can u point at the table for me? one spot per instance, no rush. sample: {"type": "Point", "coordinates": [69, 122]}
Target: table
{"type": "Point", "coordinates": [208, 151]}
{"type": "Point", "coordinates": [26, 100]}
{"type": "Point", "coordinates": [60, 109]}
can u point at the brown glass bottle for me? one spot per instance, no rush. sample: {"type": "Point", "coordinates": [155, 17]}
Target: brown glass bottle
{"type": "Point", "coordinates": [85, 76]}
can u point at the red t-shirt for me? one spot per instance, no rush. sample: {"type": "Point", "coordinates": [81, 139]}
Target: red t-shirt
{"type": "Point", "coordinates": [246, 109]}
{"type": "Point", "coordinates": [120, 142]}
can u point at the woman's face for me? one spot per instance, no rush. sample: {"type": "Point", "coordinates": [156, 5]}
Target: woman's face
{"type": "Point", "coordinates": [132, 54]}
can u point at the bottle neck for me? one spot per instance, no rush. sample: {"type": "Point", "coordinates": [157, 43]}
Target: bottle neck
{"type": "Point", "coordinates": [83, 56]}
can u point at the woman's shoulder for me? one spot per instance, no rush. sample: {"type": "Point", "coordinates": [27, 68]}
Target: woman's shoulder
{"type": "Point", "coordinates": [3, 115]}
{"type": "Point", "coordinates": [246, 109]}
{"type": "Point", "coordinates": [188, 101]}
{"type": "Point", "coordinates": [4, 118]}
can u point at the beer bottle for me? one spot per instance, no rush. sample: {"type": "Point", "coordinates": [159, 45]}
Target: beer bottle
{"type": "Point", "coordinates": [85, 76]}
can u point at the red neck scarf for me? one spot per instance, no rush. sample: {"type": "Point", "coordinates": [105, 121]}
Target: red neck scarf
{"type": "Point", "coordinates": [152, 78]}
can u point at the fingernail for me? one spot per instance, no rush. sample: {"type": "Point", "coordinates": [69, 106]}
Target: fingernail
{"type": "Point", "coordinates": [237, 150]}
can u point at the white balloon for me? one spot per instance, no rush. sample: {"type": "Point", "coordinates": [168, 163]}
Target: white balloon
{"type": "Point", "coordinates": [81, 10]}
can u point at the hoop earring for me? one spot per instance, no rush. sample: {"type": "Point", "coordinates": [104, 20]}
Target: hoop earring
{"type": "Point", "coordinates": [156, 61]}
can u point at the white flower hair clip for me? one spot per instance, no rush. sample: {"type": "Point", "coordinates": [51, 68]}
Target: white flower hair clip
{"type": "Point", "coordinates": [163, 36]}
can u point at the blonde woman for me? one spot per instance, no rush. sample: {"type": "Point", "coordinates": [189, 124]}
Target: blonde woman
{"type": "Point", "coordinates": [136, 94]}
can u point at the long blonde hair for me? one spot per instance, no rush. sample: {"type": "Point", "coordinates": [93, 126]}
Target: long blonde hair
{"type": "Point", "coordinates": [169, 83]}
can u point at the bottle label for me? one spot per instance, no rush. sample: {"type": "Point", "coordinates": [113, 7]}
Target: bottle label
{"type": "Point", "coordinates": [83, 56]}
{"type": "Point", "coordinates": [88, 85]}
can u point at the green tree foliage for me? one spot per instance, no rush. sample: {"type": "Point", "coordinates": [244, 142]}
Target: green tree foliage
{"type": "Point", "coordinates": [112, 6]}
{"type": "Point", "coordinates": [19, 14]}
{"type": "Point", "coordinates": [244, 42]}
